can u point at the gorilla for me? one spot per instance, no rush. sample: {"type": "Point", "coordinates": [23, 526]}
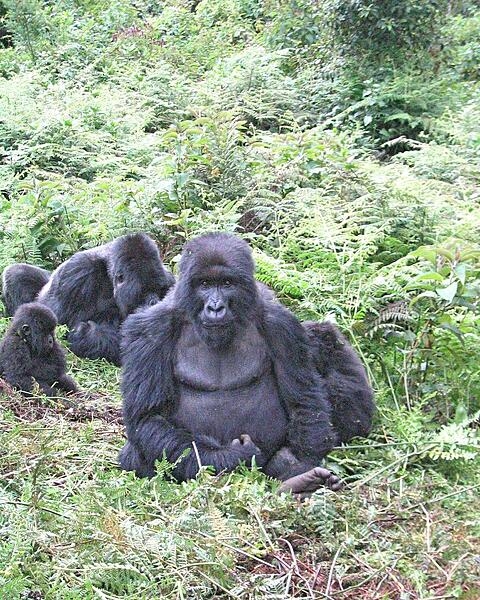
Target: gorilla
{"type": "Point", "coordinates": [21, 283]}
{"type": "Point", "coordinates": [29, 351]}
{"type": "Point", "coordinates": [94, 290]}
{"type": "Point", "coordinates": [349, 392]}
{"type": "Point", "coordinates": [222, 369]}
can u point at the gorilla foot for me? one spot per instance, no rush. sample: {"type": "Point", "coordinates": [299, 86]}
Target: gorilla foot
{"type": "Point", "coordinates": [305, 484]}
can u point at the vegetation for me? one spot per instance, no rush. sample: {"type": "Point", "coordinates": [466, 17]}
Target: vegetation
{"type": "Point", "coordinates": [342, 139]}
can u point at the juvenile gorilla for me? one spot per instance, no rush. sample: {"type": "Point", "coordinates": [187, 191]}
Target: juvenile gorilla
{"type": "Point", "coordinates": [349, 392]}
{"type": "Point", "coordinates": [21, 283]}
{"type": "Point", "coordinates": [29, 351]}
{"type": "Point", "coordinates": [222, 370]}
{"type": "Point", "coordinates": [94, 290]}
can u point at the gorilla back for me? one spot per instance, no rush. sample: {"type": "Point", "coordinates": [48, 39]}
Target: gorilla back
{"type": "Point", "coordinates": [220, 368]}
{"type": "Point", "coordinates": [21, 283]}
{"type": "Point", "coordinates": [96, 289]}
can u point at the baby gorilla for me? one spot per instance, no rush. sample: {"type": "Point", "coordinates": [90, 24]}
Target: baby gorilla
{"type": "Point", "coordinates": [29, 351]}
{"type": "Point", "coordinates": [349, 392]}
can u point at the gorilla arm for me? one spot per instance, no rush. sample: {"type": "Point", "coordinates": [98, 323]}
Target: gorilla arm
{"type": "Point", "coordinates": [349, 391]}
{"type": "Point", "coordinates": [310, 432]}
{"type": "Point", "coordinates": [149, 395]}
{"type": "Point", "coordinates": [96, 340]}
{"type": "Point", "coordinates": [16, 363]}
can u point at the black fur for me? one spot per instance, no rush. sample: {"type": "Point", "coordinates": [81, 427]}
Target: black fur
{"type": "Point", "coordinates": [349, 391]}
{"type": "Point", "coordinates": [216, 360]}
{"type": "Point", "coordinates": [94, 290]}
{"type": "Point", "coordinates": [21, 283]}
{"type": "Point", "coordinates": [29, 352]}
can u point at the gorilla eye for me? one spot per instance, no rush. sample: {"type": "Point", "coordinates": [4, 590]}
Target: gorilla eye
{"type": "Point", "coordinates": [205, 283]}
{"type": "Point", "coordinates": [50, 340]}
{"type": "Point", "coordinates": [26, 328]}
{"type": "Point", "coordinates": [119, 278]}
{"type": "Point", "coordinates": [227, 283]}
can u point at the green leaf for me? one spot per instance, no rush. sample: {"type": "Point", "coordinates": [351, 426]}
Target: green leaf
{"type": "Point", "coordinates": [426, 252]}
{"type": "Point", "coordinates": [461, 414]}
{"type": "Point", "coordinates": [400, 116]}
{"type": "Point", "coordinates": [453, 329]}
{"type": "Point", "coordinates": [449, 292]}
{"type": "Point", "coordinates": [461, 271]}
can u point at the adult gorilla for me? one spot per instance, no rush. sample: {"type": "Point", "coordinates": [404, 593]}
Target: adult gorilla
{"type": "Point", "coordinates": [94, 290]}
{"type": "Point", "coordinates": [222, 370]}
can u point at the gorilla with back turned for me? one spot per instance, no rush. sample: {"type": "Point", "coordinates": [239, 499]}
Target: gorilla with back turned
{"type": "Point", "coordinates": [21, 283]}
{"type": "Point", "coordinates": [349, 392]}
{"type": "Point", "coordinates": [94, 290]}
{"type": "Point", "coordinates": [221, 369]}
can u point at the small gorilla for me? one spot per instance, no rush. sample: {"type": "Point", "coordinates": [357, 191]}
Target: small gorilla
{"type": "Point", "coordinates": [29, 351]}
{"type": "Point", "coordinates": [221, 369]}
{"type": "Point", "coordinates": [94, 290]}
{"type": "Point", "coordinates": [21, 283]}
{"type": "Point", "coordinates": [349, 392]}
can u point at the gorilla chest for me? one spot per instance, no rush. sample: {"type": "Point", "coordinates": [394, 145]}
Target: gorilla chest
{"type": "Point", "coordinates": [224, 393]}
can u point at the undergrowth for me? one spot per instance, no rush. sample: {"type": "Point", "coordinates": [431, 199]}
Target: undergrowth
{"type": "Point", "coordinates": [351, 165]}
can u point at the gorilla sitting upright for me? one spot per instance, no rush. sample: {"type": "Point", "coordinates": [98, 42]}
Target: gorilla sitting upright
{"type": "Point", "coordinates": [94, 290]}
{"type": "Point", "coordinates": [348, 389]}
{"type": "Point", "coordinates": [30, 353]}
{"type": "Point", "coordinates": [220, 369]}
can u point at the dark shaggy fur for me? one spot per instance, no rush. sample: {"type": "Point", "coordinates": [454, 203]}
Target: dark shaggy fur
{"type": "Point", "coordinates": [96, 289]}
{"type": "Point", "coordinates": [29, 352]}
{"type": "Point", "coordinates": [220, 366]}
{"type": "Point", "coordinates": [349, 392]}
{"type": "Point", "coordinates": [21, 283]}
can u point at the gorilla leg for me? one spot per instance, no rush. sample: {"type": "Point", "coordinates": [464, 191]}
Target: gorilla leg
{"type": "Point", "coordinates": [66, 383]}
{"type": "Point", "coordinates": [21, 283]}
{"type": "Point", "coordinates": [96, 340]}
{"type": "Point", "coordinates": [300, 477]}
{"type": "Point", "coordinates": [131, 459]}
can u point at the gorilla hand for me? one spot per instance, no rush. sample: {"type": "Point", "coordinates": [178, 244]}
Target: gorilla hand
{"type": "Point", "coordinates": [246, 449]}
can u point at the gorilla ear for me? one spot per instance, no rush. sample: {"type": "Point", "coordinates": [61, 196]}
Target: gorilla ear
{"type": "Point", "coordinates": [26, 328]}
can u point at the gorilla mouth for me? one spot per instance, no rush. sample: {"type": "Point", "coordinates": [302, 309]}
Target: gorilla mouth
{"type": "Point", "coordinates": [216, 324]}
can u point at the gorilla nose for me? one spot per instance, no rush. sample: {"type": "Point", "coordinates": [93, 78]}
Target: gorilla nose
{"type": "Point", "coordinates": [216, 310]}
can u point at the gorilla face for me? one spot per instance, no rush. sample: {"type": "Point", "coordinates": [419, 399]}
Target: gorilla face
{"type": "Point", "coordinates": [216, 288]}
{"type": "Point", "coordinates": [139, 287]}
{"type": "Point", "coordinates": [137, 273]}
{"type": "Point", "coordinates": [36, 326]}
{"type": "Point", "coordinates": [216, 315]}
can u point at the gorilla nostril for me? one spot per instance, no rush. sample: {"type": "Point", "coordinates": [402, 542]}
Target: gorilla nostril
{"type": "Point", "coordinates": [216, 310]}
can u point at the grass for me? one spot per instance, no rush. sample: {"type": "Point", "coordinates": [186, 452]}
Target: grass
{"type": "Point", "coordinates": [72, 525]}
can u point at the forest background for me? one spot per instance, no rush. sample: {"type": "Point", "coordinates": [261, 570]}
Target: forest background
{"type": "Point", "coordinates": [341, 138]}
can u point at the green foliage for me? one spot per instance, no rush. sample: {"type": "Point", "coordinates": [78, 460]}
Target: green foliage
{"type": "Point", "coordinates": [352, 168]}
{"type": "Point", "coordinates": [384, 25]}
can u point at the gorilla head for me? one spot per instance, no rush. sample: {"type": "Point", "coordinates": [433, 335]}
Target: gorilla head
{"type": "Point", "coordinates": [35, 325]}
{"type": "Point", "coordinates": [137, 273]}
{"type": "Point", "coordinates": [216, 288]}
